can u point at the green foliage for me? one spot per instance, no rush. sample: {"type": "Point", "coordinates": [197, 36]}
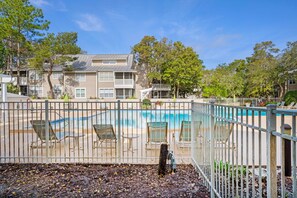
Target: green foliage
{"type": "Point", "coordinates": [54, 50]}
{"type": "Point", "coordinates": [183, 70]}
{"type": "Point", "coordinates": [146, 103]}
{"type": "Point", "coordinates": [225, 80]}
{"type": "Point", "coordinates": [12, 88]}
{"type": "Point", "coordinates": [261, 67]}
{"type": "Point", "coordinates": [227, 168]}
{"type": "Point", "coordinates": [174, 64]}
{"type": "Point", "coordinates": [21, 23]}
{"type": "Point", "coordinates": [290, 96]}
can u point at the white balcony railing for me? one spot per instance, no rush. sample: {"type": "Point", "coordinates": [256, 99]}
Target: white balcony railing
{"type": "Point", "coordinates": [161, 87]}
{"type": "Point", "coordinates": [129, 83]}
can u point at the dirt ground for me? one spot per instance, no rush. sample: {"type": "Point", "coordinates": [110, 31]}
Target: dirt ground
{"type": "Point", "coordinates": [84, 180]}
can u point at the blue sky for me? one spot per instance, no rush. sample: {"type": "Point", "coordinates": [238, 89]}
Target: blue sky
{"type": "Point", "coordinates": [220, 31]}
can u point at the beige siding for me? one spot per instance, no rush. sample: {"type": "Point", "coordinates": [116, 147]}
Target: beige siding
{"type": "Point", "coordinates": [138, 87]}
{"type": "Point", "coordinates": [89, 84]}
{"type": "Point", "coordinates": [105, 85]}
{"type": "Point", "coordinates": [45, 85]}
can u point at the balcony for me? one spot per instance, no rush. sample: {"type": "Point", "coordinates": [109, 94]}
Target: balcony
{"type": "Point", "coordinates": [161, 87]}
{"type": "Point", "coordinates": [124, 83]}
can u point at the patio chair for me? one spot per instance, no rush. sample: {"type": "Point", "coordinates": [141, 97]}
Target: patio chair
{"type": "Point", "coordinates": [157, 133]}
{"type": "Point", "coordinates": [222, 133]}
{"type": "Point", "coordinates": [105, 134]}
{"type": "Point", "coordinates": [184, 139]}
{"type": "Point", "coordinates": [54, 137]}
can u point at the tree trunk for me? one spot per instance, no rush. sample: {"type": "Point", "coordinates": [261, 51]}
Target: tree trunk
{"type": "Point", "coordinates": [9, 61]}
{"type": "Point", "coordinates": [18, 67]}
{"type": "Point", "coordinates": [51, 94]}
{"type": "Point", "coordinates": [177, 91]}
{"type": "Point", "coordinates": [281, 93]}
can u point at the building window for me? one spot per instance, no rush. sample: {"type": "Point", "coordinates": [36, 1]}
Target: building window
{"type": "Point", "coordinates": [57, 75]}
{"type": "Point", "coordinates": [292, 82]}
{"type": "Point", "coordinates": [80, 93]}
{"type": "Point", "coordinates": [109, 62]}
{"type": "Point", "coordinates": [80, 77]}
{"type": "Point", "coordinates": [35, 76]}
{"type": "Point", "coordinates": [35, 91]}
{"type": "Point", "coordinates": [57, 90]}
{"type": "Point", "coordinates": [106, 77]}
{"type": "Point", "coordinates": [106, 93]}
{"type": "Point", "coordinates": [124, 93]}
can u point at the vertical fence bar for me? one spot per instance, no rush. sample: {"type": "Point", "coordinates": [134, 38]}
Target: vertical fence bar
{"type": "Point", "coordinates": [271, 152]}
{"type": "Point", "coordinates": [212, 148]}
{"type": "Point", "coordinates": [294, 172]}
{"type": "Point", "coordinates": [282, 153]}
{"type": "Point", "coordinates": [46, 131]}
{"type": "Point", "coordinates": [119, 133]}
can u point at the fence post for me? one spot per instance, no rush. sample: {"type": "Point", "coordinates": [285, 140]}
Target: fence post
{"type": "Point", "coordinates": [271, 152]}
{"type": "Point", "coordinates": [287, 151]}
{"type": "Point", "coordinates": [46, 129]}
{"type": "Point", "coordinates": [119, 133]}
{"type": "Point", "coordinates": [212, 178]}
{"type": "Point", "coordinates": [192, 128]}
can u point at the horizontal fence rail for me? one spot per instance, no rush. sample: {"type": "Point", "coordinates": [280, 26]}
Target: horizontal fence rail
{"type": "Point", "coordinates": [93, 131]}
{"type": "Point", "coordinates": [244, 151]}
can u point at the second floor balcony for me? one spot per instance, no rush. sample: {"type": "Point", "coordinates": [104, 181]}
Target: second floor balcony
{"type": "Point", "coordinates": [161, 87]}
{"type": "Point", "coordinates": [124, 83]}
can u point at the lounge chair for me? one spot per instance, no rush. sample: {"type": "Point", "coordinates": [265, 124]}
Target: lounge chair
{"type": "Point", "coordinates": [105, 134]}
{"type": "Point", "coordinates": [222, 132]}
{"type": "Point", "coordinates": [185, 132]}
{"type": "Point", "coordinates": [54, 137]}
{"type": "Point", "coordinates": [157, 133]}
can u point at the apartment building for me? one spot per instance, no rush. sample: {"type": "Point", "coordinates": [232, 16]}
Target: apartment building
{"type": "Point", "coordinates": [110, 76]}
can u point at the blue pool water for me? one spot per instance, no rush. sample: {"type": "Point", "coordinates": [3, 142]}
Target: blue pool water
{"type": "Point", "coordinates": [139, 118]}
{"type": "Point", "coordinates": [128, 118]}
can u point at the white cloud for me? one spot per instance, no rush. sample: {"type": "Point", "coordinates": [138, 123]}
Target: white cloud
{"type": "Point", "coordinates": [89, 22]}
{"type": "Point", "coordinates": [39, 2]}
{"type": "Point", "coordinates": [225, 40]}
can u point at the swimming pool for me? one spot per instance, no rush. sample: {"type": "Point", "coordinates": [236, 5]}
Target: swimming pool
{"type": "Point", "coordinates": [127, 118]}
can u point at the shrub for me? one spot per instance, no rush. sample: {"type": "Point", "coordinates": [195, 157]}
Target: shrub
{"type": "Point", "coordinates": [12, 88]}
{"type": "Point", "coordinates": [146, 103]}
{"type": "Point", "coordinates": [290, 96]}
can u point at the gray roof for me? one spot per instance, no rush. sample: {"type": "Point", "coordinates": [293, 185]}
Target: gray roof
{"type": "Point", "coordinates": [84, 62]}
{"type": "Point", "coordinates": [110, 56]}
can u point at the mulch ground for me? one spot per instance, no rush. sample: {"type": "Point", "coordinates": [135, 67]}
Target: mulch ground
{"type": "Point", "coordinates": [84, 180]}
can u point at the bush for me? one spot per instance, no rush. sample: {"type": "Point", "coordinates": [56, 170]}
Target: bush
{"type": "Point", "coordinates": [12, 88]}
{"type": "Point", "coordinates": [146, 103]}
{"type": "Point", "coordinates": [290, 96]}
